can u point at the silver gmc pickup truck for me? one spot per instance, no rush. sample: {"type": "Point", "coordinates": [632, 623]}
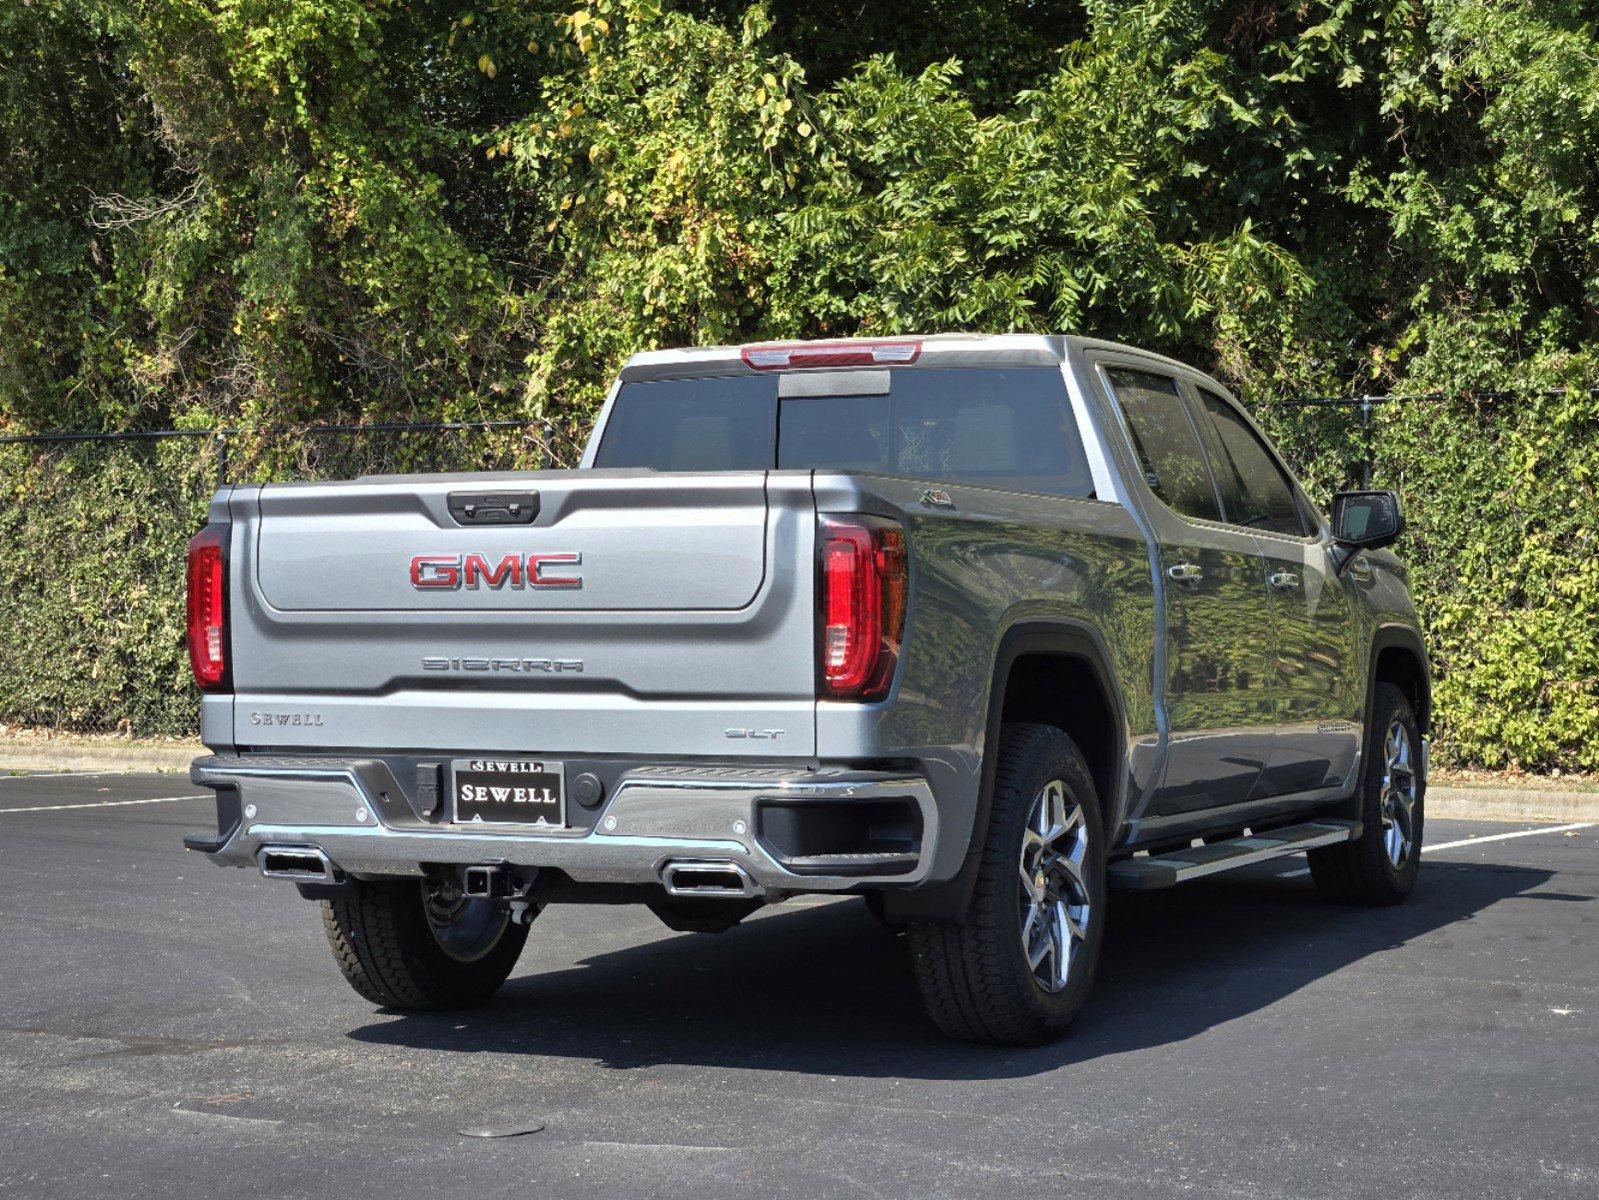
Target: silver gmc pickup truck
{"type": "Point", "coordinates": [975, 627]}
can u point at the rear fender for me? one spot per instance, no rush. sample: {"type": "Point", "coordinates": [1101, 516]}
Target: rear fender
{"type": "Point", "coordinates": [950, 899]}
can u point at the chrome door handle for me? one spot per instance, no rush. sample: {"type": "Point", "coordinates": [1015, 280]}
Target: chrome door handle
{"type": "Point", "coordinates": [1186, 572]}
{"type": "Point", "coordinates": [1284, 581]}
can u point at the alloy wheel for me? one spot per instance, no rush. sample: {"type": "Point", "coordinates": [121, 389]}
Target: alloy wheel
{"type": "Point", "coordinates": [1055, 904]}
{"type": "Point", "coordinates": [1398, 798]}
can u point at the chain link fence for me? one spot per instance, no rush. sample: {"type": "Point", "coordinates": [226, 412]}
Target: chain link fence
{"type": "Point", "coordinates": [1499, 490]}
{"type": "Point", "coordinates": [315, 452]}
{"type": "Point", "coordinates": [93, 530]}
{"type": "Point", "coordinates": [1351, 425]}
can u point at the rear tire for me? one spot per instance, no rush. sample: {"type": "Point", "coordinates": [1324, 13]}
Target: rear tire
{"type": "Point", "coordinates": [1380, 866]}
{"type": "Point", "coordinates": [401, 948]}
{"type": "Point", "coordinates": [1019, 967]}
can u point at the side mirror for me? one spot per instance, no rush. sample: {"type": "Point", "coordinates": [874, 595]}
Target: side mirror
{"type": "Point", "coordinates": [1366, 520]}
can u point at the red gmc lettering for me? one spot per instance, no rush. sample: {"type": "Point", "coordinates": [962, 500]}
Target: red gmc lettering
{"type": "Point", "coordinates": [535, 570]}
{"type": "Point", "coordinates": [452, 571]}
{"type": "Point", "coordinates": [436, 571]}
{"type": "Point", "coordinates": [476, 568]}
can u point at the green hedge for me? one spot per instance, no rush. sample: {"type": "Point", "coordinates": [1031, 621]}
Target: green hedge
{"type": "Point", "coordinates": [92, 547]}
{"type": "Point", "coordinates": [257, 212]}
{"type": "Point", "coordinates": [1503, 549]}
{"type": "Point", "coordinates": [93, 539]}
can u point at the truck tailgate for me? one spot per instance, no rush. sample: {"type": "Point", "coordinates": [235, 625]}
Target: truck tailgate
{"type": "Point", "coordinates": [639, 613]}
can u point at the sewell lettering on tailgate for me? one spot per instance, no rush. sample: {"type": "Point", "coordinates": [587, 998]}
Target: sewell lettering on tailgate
{"type": "Point", "coordinates": [311, 719]}
{"type": "Point", "coordinates": [451, 572]}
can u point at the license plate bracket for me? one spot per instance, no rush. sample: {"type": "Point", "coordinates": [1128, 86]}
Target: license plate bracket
{"type": "Point", "coordinates": [512, 792]}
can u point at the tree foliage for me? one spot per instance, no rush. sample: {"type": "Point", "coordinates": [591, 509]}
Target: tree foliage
{"type": "Point", "coordinates": [283, 210]}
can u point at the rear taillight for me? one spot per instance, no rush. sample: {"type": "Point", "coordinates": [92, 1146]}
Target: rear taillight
{"type": "Point", "coordinates": [208, 608]}
{"type": "Point", "coordinates": [862, 603]}
{"type": "Point", "coordinates": [779, 356]}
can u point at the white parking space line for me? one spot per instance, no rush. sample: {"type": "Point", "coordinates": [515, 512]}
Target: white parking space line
{"type": "Point", "coordinates": [1472, 841]}
{"type": "Point", "coordinates": [6, 812]}
{"type": "Point", "coordinates": [32, 776]}
{"type": "Point", "coordinates": [1504, 837]}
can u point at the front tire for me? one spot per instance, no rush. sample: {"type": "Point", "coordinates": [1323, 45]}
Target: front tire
{"type": "Point", "coordinates": [1019, 967]}
{"type": "Point", "coordinates": [406, 944]}
{"type": "Point", "coordinates": [1380, 866]}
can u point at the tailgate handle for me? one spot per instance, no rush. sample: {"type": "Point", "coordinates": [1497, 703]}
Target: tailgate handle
{"type": "Point", "coordinates": [494, 508]}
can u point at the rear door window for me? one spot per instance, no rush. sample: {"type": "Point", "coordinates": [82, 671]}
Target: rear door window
{"type": "Point", "coordinates": [1010, 428]}
{"type": "Point", "coordinates": [1166, 442]}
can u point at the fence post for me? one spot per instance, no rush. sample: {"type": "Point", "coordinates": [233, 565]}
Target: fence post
{"type": "Point", "coordinates": [222, 458]}
{"type": "Point", "coordinates": [1365, 441]}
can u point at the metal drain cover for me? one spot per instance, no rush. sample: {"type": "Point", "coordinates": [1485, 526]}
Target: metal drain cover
{"type": "Point", "coordinates": [501, 1131]}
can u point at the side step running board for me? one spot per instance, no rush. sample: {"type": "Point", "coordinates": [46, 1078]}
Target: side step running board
{"type": "Point", "coordinates": [1165, 870]}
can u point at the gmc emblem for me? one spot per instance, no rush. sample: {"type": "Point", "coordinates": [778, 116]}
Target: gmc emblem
{"type": "Point", "coordinates": [452, 571]}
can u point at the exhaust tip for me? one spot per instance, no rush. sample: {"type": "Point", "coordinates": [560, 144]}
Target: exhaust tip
{"type": "Point", "coordinates": [304, 864]}
{"type": "Point", "coordinates": [696, 877]}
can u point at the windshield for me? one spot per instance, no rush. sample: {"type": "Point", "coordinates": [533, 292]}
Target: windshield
{"type": "Point", "coordinates": [989, 427]}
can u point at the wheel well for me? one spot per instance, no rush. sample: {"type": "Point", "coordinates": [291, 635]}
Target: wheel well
{"type": "Point", "coordinates": [1400, 666]}
{"type": "Point", "coordinates": [1066, 691]}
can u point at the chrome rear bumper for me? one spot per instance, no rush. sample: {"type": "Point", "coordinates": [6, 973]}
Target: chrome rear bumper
{"type": "Point", "coordinates": [653, 817]}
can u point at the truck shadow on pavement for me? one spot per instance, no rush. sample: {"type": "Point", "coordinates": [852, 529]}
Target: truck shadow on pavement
{"type": "Point", "coordinates": [828, 990]}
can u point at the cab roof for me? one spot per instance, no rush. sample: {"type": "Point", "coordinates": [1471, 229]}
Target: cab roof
{"type": "Point", "coordinates": [898, 352]}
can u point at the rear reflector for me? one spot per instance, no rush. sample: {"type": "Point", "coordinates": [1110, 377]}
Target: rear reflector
{"type": "Point", "coordinates": [831, 354]}
{"type": "Point", "coordinates": [862, 602]}
{"type": "Point", "coordinates": [208, 608]}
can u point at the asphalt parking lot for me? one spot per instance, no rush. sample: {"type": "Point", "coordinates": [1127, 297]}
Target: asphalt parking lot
{"type": "Point", "coordinates": [171, 1029]}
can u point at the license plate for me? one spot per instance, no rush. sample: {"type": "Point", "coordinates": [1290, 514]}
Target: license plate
{"type": "Point", "coordinates": [509, 791]}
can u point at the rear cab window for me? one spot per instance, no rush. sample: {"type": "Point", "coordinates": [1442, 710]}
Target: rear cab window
{"type": "Point", "coordinates": [1000, 427]}
{"type": "Point", "coordinates": [692, 425]}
